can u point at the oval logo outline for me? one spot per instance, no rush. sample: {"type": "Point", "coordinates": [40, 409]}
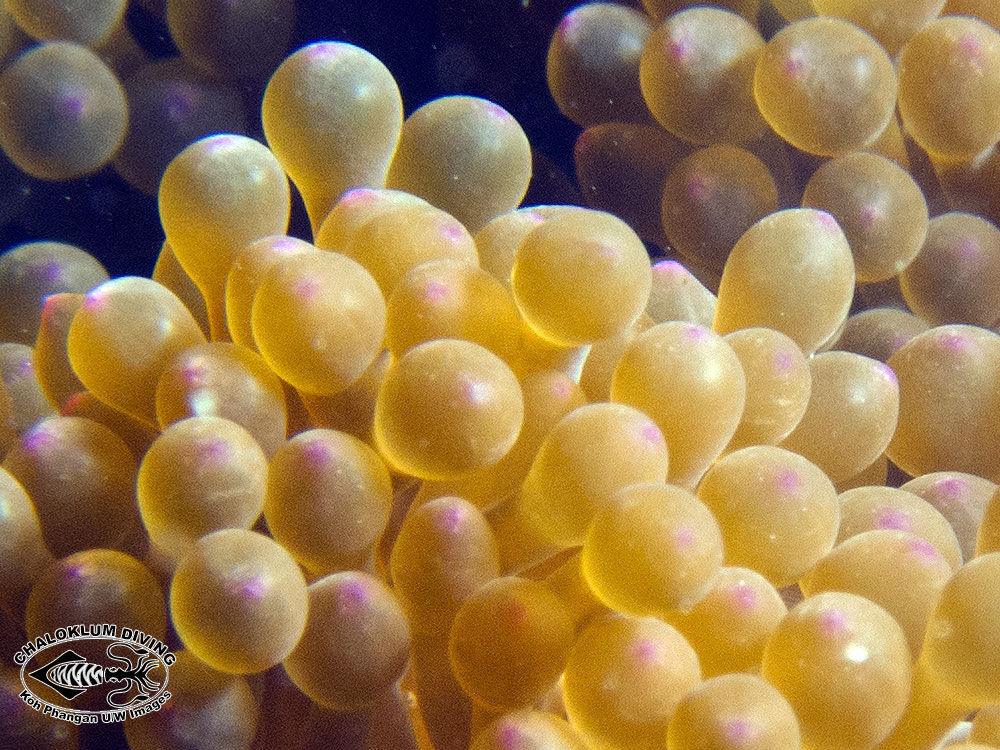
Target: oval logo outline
{"type": "Point", "coordinates": [75, 675]}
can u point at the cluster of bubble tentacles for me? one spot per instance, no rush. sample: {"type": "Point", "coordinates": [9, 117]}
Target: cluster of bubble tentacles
{"type": "Point", "coordinates": [79, 91]}
{"type": "Point", "coordinates": [457, 473]}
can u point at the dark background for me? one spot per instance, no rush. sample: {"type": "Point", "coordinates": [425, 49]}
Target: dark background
{"type": "Point", "coordinates": [490, 48]}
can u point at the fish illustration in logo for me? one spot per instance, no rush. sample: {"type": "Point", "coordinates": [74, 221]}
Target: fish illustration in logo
{"type": "Point", "coordinates": [70, 674]}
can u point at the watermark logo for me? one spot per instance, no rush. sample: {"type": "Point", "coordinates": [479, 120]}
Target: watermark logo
{"type": "Point", "coordinates": [89, 674]}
